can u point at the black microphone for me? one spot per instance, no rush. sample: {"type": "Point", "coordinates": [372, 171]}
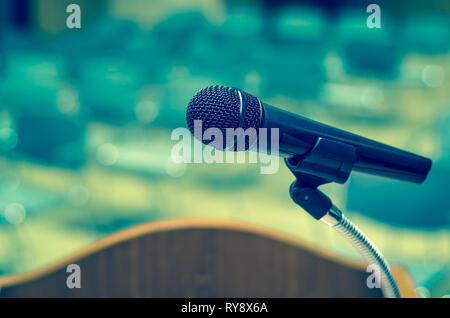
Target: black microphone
{"type": "Point", "coordinates": [224, 107]}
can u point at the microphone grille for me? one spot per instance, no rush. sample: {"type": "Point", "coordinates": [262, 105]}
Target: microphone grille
{"type": "Point", "coordinates": [253, 111]}
{"type": "Point", "coordinates": [215, 106]}
{"type": "Point", "coordinates": [223, 107]}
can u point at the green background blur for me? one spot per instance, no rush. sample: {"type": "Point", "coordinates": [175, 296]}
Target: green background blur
{"type": "Point", "coordinates": [86, 116]}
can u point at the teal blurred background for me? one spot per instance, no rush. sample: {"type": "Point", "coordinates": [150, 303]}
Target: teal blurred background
{"type": "Point", "coordinates": [86, 116]}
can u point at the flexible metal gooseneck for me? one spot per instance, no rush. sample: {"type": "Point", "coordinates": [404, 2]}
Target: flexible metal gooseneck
{"type": "Point", "coordinates": [332, 161]}
{"type": "Point", "coordinates": [336, 219]}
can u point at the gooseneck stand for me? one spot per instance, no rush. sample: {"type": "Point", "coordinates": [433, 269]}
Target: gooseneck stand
{"type": "Point", "coordinates": [332, 161]}
{"type": "Point", "coordinates": [365, 246]}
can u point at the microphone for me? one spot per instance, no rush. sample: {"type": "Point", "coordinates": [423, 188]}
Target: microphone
{"type": "Point", "coordinates": [224, 107]}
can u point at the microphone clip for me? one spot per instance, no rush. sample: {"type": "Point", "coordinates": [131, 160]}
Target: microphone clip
{"type": "Point", "coordinates": [328, 161]}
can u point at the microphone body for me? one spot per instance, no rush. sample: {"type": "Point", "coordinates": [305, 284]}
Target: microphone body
{"type": "Point", "coordinates": [298, 135]}
{"type": "Point", "coordinates": [223, 107]}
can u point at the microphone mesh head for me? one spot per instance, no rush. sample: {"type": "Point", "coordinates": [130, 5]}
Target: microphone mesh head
{"type": "Point", "coordinates": [220, 107]}
{"type": "Point", "coordinates": [215, 106]}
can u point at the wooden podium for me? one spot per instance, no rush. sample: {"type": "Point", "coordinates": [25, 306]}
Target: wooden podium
{"type": "Point", "coordinates": [201, 258]}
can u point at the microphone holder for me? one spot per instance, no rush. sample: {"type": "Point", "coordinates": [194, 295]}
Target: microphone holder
{"type": "Point", "coordinates": [332, 161]}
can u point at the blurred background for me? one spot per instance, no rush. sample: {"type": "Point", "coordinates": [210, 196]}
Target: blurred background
{"type": "Point", "coordinates": [86, 116]}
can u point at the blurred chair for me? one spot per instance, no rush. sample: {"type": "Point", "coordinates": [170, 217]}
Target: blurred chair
{"type": "Point", "coordinates": [109, 87]}
{"type": "Point", "coordinates": [292, 62]}
{"type": "Point", "coordinates": [404, 204]}
{"type": "Point", "coordinates": [175, 32]}
{"type": "Point", "coordinates": [32, 80]}
{"type": "Point", "coordinates": [201, 258]}
{"type": "Point", "coordinates": [53, 139]}
{"type": "Point", "coordinates": [226, 52]}
{"type": "Point", "coordinates": [427, 34]}
{"type": "Point", "coordinates": [45, 110]}
{"type": "Point", "coordinates": [400, 203]}
{"type": "Point", "coordinates": [367, 52]}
